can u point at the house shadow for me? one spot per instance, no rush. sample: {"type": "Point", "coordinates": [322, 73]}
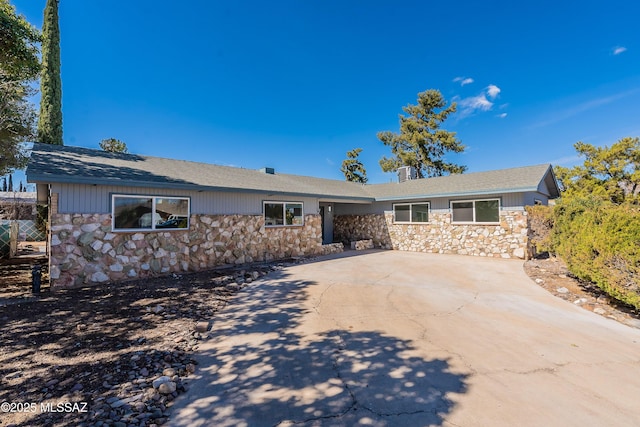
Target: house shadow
{"type": "Point", "coordinates": [263, 368]}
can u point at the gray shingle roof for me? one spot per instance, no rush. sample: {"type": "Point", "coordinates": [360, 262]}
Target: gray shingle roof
{"type": "Point", "coordinates": [64, 164]}
{"type": "Point", "coordinates": [52, 163]}
{"type": "Point", "coordinates": [512, 180]}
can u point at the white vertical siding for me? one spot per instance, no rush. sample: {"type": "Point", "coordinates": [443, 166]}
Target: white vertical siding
{"type": "Point", "coordinates": [89, 199]}
{"type": "Point", "coordinates": [361, 209]}
{"type": "Point", "coordinates": [530, 198]}
{"type": "Point", "coordinates": [511, 201]}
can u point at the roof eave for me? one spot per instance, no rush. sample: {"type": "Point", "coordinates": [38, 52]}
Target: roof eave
{"type": "Point", "coordinates": [46, 179]}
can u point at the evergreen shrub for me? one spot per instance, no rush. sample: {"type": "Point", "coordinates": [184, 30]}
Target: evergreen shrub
{"type": "Point", "coordinates": [600, 242]}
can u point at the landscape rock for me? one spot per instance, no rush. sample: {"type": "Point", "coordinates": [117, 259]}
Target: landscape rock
{"type": "Point", "coordinates": [167, 387]}
{"type": "Point", "coordinates": [159, 381]}
{"type": "Point", "coordinates": [202, 327]}
{"type": "Point", "coordinates": [13, 375]}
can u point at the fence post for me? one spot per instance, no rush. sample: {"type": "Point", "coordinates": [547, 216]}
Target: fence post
{"type": "Point", "coordinates": [13, 236]}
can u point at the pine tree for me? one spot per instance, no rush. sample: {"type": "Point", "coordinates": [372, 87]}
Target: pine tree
{"type": "Point", "coordinates": [352, 167]}
{"type": "Point", "coordinates": [421, 142]}
{"type": "Point", "coordinates": [50, 118]}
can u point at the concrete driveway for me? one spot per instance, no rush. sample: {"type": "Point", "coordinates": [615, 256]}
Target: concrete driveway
{"type": "Point", "coordinates": [410, 339]}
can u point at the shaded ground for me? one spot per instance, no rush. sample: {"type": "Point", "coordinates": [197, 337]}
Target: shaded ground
{"type": "Point", "coordinates": [393, 338]}
{"type": "Point", "coordinates": [104, 345]}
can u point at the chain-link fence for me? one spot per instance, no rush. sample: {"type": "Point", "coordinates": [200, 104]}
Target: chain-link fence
{"type": "Point", "coordinates": [8, 239]}
{"type": "Point", "coordinates": [12, 232]}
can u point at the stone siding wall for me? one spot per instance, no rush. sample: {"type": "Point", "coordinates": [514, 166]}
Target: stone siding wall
{"type": "Point", "coordinates": [350, 228]}
{"type": "Point", "coordinates": [509, 239]}
{"type": "Point", "coordinates": [85, 251]}
{"type": "Point", "coordinates": [332, 248]}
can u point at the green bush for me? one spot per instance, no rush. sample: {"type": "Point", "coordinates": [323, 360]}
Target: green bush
{"type": "Point", "coordinates": [600, 242]}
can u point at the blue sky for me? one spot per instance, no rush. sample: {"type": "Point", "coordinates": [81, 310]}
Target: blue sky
{"type": "Point", "coordinates": [295, 84]}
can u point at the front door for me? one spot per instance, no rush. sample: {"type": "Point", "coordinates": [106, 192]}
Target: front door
{"type": "Point", "coordinates": [326, 214]}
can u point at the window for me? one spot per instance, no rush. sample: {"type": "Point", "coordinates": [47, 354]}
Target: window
{"type": "Point", "coordinates": [485, 211]}
{"type": "Point", "coordinates": [146, 213]}
{"type": "Point", "coordinates": [411, 212]}
{"type": "Point", "coordinates": [280, 214]}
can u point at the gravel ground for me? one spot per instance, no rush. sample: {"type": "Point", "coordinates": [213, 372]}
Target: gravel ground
{"type": "Point", "coordinates": [113, 355]}
{"type": "Point", "coordinates": [118, 355]}
{"type": "Point", "coordinates": [553, 275]}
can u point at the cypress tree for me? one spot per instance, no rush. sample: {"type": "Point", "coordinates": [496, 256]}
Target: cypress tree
{"type": "Point", "coordinates": [10, 183]}
{"type": "Point", "coordinates": [50, 118]}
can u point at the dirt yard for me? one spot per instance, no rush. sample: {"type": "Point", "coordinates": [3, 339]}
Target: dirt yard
{"type": "Point", "coordinates": [90, 356]}
{"type": "Point", "coordinates": [93, 356]}
{"type": "Point", "coordinates": [553, 275]}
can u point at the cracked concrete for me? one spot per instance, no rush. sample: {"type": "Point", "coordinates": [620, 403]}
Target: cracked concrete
{"type": "Point", "coordinates": [409, 339]}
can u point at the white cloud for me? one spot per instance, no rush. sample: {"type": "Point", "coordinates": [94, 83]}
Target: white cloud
{"type": "Point", "coordinates": [493, 91]}
{"type": "Point", "coordinates": [481, 102]}
{"type": "Point", "coordinates": [474, 103]}
{"type": "Point", "coordinates": [463, 80]}
{"type": "Point", "coordinates": [502, 115]}
{"type": "Point", "coordinates": [619, 49]}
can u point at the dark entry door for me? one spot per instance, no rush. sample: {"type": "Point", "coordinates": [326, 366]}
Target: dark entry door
{"type": "Point", "coordinates": [326, 213]}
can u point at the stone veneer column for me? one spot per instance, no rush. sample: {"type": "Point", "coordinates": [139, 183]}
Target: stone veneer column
{"type": "Point", "coordinates": [84, 250]}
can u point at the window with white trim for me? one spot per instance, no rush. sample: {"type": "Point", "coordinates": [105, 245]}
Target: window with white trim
{"type": "Point", "coordinates": [282, 214]}
{"type": "Point", "coordinates": [149, 213]}
{"type": "Point", "coordinates": [479, 211]}
{"type": "Point", "coordinates": [411, 212]}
